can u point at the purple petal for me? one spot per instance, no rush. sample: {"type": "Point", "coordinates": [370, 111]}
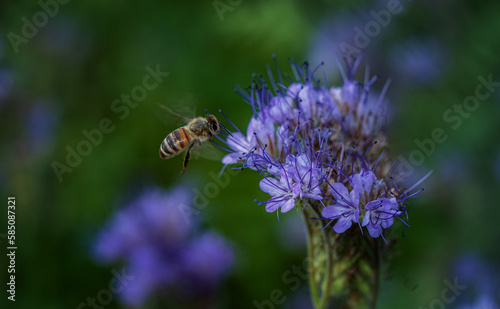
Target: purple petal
{"type": "Point", "coordinates": [231, 158]}
{"type": "Point", "coordinates": [276, 171]}
{"type": "Point", "coordinates": [366, 218]}
{"type": "Point", "coordinates": [238, 142]}
{"type": "Point", "coordinates": [355, 215]}
{"type": "Point", "coordinates": [281, 110]}
{"type": "Point", "coordinates": [303, 161]}
{"type": "Point", "coordinates": [272, 206]}
{"type": "Point", "coordinates": [363, 182]}
{"type": "Point", "coordinates": [343, 224]}
{"type": "Point", "coordinates": [382, 204]}
{"type": "Point", "coordinates": [297, 190]}
{"type": "Point", "coordinates": [314, 196]}
{"type": "Point", "coordinates": [386, 222]}
{"type": "Point", "coordinates": [354, 195]}
{"type": "Point", "coordinates": [350, 92]}
{"type": "Point", "coordinates": [271, 186]}
{"type": "Point", "coordinates": [294, 89]}
{"type": "Point", "coordinates": [288, 205]}
{"type": "Point", "coordinates": [332, 211]}
{"type": "Point", "coordinates": [339, 191]}
{"type": "Point", "coordinates": [374, 230]}
{"type": "Point", "coordinates": [264, 129]}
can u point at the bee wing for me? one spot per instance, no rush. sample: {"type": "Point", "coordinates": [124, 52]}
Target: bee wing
{"type": "Point", "coordinates": [207, 151]}
{"type": "Point", "coordinates": [176, 111]}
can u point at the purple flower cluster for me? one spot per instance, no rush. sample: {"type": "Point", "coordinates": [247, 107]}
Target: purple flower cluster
{"type": "Point", "coordinates": [302, 139]}
{"type": "Point", "coordinates": [364, 199]}
{"type": "Point", "coordinates": [162, 251]}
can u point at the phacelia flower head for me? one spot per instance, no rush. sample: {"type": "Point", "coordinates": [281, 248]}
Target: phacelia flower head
{"type": "Point", "coordinates": [162, 251]}
{"type": "Point", "coordinates": [303, 138]}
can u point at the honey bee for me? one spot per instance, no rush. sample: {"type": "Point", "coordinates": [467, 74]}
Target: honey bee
{"type": "Point", "coordinates": [197, 131]}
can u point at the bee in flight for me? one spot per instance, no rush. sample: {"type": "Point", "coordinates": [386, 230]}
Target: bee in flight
{"type": "Point", "coordinates": [196, 131]}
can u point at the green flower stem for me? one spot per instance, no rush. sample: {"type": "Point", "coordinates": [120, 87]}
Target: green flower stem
{"type": "Point", "coordinates": [328, 275]}
{"type": "Point", "coordinates": [343, 268]}
{"type": "Point", "coordinates": [313, 287]}
{"type": "Point", "coordinates": [377, 274]}
{"type": "Point", "coordinates": [320, 300]}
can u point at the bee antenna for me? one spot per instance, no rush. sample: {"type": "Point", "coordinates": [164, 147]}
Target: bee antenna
{"type": "Point", "coordinates": [206, 111]}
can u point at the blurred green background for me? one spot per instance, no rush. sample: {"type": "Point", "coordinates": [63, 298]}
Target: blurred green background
{"type": "Point", "coordinates": [65, 78]}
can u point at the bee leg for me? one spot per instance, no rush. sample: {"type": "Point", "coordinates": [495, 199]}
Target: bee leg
{"type": "Point", "coordinates": [188, 155]}
{"type": "Point", "coordinates": [186, 158]}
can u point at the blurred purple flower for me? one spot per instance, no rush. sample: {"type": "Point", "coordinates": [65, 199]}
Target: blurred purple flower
{"type": "Point", "coordinates": [335, 36]}
{"type": "Point", "coordinates": [151, 270]}
{"type": "Point", "coordinates": [161, 249]}
{"type": "Point", "coordinates": [206, 258]}
{"type": "Point", "coordinates": [418, 61]}
{"type": "Point", "coordinates": [482, 280]}
{"type": "Point", "coordinates": [41, 122]}
{"type": "Point", "coordinates": [65, 37]}
{"type": "Point", "coordinates": [483, 301]}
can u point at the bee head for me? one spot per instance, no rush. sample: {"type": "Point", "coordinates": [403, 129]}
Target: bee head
{"type": "Point", "coordinates": [213, 124]}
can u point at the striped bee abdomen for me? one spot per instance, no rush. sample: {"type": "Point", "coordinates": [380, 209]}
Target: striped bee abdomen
{"type": "Point", "coordinates": [175, 143]}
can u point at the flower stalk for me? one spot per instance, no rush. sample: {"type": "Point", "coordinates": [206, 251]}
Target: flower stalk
{"type": "Point", "coordinates": [343, 268]}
